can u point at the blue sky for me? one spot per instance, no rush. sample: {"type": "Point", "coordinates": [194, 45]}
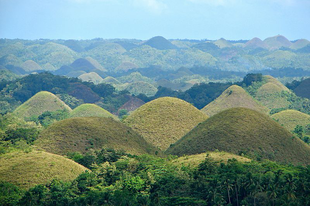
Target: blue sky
{"type": "Point", "coordinates": [143, 19]}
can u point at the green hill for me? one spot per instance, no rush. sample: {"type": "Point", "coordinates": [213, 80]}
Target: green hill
{"type": "Point", "coordinates": [291, 118]}
{"type": "Point", "coordinates": [91, 77]}
{"type": "Point", "coordinates": [110, 80]}
{"type": "Point", "coordinates": [30, 65]}
{"type": "Point", "coordinates": [80, 134]}
{"type": "Point", "coordinates": [220, 157]}
{"type": "Point", "coordinates": [39, 103]}
{"type": "Point", "coordinates": [164, 120]}
{"type": "Point", "coordinates": [159, 42]}
{"type": "Point", "coordinates": [241, 130]}
{"type": "Point", "coordinates": [303, 89]}
{"type": "Point", "coordinates": [90, 110]}
{"type": "Point", "coordinates": [96, 64]}
{"type": "Point", "coordinates": [234, 96]}
{"type": "Point", "coordinates": [277, 42]}
{"type": "Point", "coordinates": [29, 169]}
{"type": "Point", "coordinates": [137, 88]}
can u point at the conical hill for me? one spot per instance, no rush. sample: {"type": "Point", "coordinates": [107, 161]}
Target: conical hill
{"type": "Point", "coordinates": [291, 118]}
{"type": "Point", "coordinates": [242, 130]}
{"type": "Point", "coordinates": [234, 96]}
{"type": "Point", "coordinates": [164, 120]}
{"type": "Point", "coordinates": [80, 134]}
{"type": "Point", "coordinates": [39, 103]}
{"type": "Point", "coordinates": [29, 169]}
{"type": "Point", "coordinates": [90, 110]}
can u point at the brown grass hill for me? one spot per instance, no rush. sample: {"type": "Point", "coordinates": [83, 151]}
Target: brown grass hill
{"type": "Point", "coordinates": [81, 91]}
{"type": "Point", "coordinates": [80, 134]}
{"type": "Point", "coordinates": [91, 77]}
{"type": "Point", "coordinates": [300, 43]}
{"type": "Point", "coordinates": [90, 110]}
{"type": "Point", "coordinates": [234, 96]}
{"type": "Point", "coordinates": [30, 66]}
{"type": "Point", "coordinates": [222, 43]}
{"type": "Point", "coordinates": [291, 118]}
{"type": "Point", "coordinates": [196, 159]}
{"type": "Point", "coordinates": [37, 167]}
{"type": "Point", "coordinates": [96, 64]}
{"type": "Point", "coordinates": [242, 130]}
{"type": "Point", "coordinates": [277, 42]}
{"type": "Point", "coordinates": [255, 43]}
{"type": "Point", "coordinates": [165, 120]}
{"type": "Point", "coordinates": [159, 42]}
{"type": "Point", "coordinates": [303, 89]}
{"type": "Point", "coordinates": [111, 80]}
{"type": "Point", "coordinates": [132, 104]}
{"type": "Point", "coordinates": [271, 94]}
{"type": "Point", "coordinates": [39, 103]}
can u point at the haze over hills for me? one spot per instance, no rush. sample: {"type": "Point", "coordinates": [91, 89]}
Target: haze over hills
{"type": "Point", "coordinates": [164, 120]}
{"type": "Point", "coordinates": [241, 130]}
{"type": "Point", "coordinates": [234, 96]}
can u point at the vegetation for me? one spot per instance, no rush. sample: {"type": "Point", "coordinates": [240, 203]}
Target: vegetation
{"type": "Point", "coordinates": [243, 131]}
{"type": "Point", "coordinates": [82, 134]}
{"type": "Point", "coordinates": [164, 120]}
{"type": "Point", "coordinates": [90, 110]}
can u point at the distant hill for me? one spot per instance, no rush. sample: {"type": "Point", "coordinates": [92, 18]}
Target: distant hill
{"type": "Point", "coordinates": [291, 118]}
{"type": "Point", "coordinates": [81, 91]}
{"type": "Point", "coordinates": [110, 80]}
{"type": "Point", "coordinates": [303, 89]}
{"type": "Point", "coordinates": [277, 42]}
{"type": "Point", "coordinates": [255, 43]}
{"type": "Point", "coordinates": [91, 77]}
{"type": "Point", "coordinates": [234, 96]}
{"type": "Point", "coordinates": [140, 87]}
{"type": "Point", "coordinates": [80, 134]}
{"type": "Point", "coordinates": [300, 43]}
{"type": "Point", "coordinates": [30, 65]}
{"type": "Point", "coordinates": [243, 131]}
{"type": "Point", "coordinates": [159, 42]}
{"type": "Point", "coordinates": [90, 110]}
{"type": "Point", "coordinates": [7, 75]}
{"type": "Point", "coordinates": [132, 104]}
{"type": "Point", "coordinates": [39, 103]}
{"type": "Point", "coordinates": [125, 66]}
{"type": "Point", "coordinates": [37, 167]}
{"type": "Point", "coordinates": [164, 120]}
{"type": "Point", "coordinates": [222, 43]}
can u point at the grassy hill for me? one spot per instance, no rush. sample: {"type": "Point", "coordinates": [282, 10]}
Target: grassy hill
{"type": "Point", "coordinates": [164, 120]}
{"type": "Point", "coordinates": [29, 169]}
{"type": "Point", "coordinates": [39, 103]}
{"type": "Point", "coordinates": [303, 89]}
{"type": "Point", "coordinates": [30, 65]}
{"type": "Point", "coordinates": [255, 43]}
{"type": "Point", "coordinates": [222, 43]}
{"type": "Point", "coordinates": [159, 42]}
{"type": "Point", "coordinates": [291, 118]}
{"type": "Point", "coordinates": [96, 64]}
{"type": "Point", "coordinates": [137, 88]}
{"type": "Point", "coordinates": [195, 160]}
{"type": "Point", "coordinates": [110, 80]}
{"type": "Point", "coordinates": [234, 96]}
{"type": "Point", "coordinates": [300, 44]}
{"type": "Point", "coordinates": [91, 77]}
{"type": "Point", "coordinates": [132, 104]}
{"type": "Point", "coordinates": [90, 110]}
{"type": "Point", "coordinates": [277, 42]}
{"type": "Point", "coordinates": [243, 131]}
{"type": "Point", "coordinates": [80, 134]}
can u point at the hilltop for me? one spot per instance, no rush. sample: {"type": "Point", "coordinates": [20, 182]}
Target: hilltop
{"type": "Point", "coordinates": [159, 42]}
{"type": "Point", "coordinates": [222, 43]}
{"type": "Point", "coordinates": [90, 110]}
{"type": "Point", "coordinates": [277, 42]}
{"type": "Point", "coordinates": [234, 96]}
{"type": "Point", "coordinates": [91, 77]}
{"type": "Point", "coordinates": [243, 131]}
{"type": "Point", "coordinates": [137, 88]}
{"type": "Point", "coordinates": [300, 43]}
{"type": "Point", "coordinates": [39, 103]}
{"type": "Point", "coordinates": [80, 134]}
{"type": "Point", "coordinates": [255, 43]}
{"type": "Point", "coordinates": [291, 118]}
{"type": "Point", "coordinates": [29, 169]}
{"type": "Point", "coordinates": [164, 120]}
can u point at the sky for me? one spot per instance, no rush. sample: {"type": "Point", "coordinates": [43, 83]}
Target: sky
{"type": "Point", "coordinates": [144, 19]}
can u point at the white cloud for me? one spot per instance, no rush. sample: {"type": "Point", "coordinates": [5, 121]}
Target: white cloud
{"type": "Point", "coordinates": [154, 6]}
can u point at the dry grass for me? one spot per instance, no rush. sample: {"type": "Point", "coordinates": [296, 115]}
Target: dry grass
{"type": "Point", "coordinates": [29, 169]}
{"type": "Point", "coordinates": [234, 96]}
{"type": "Point", "coordinates": [241, 130]}
{"type": "Point", "coordinates": [90, 110]}
{"type": "Point", "coordinates": [91, 77]}
{"type": "Point", "coordinates": [165, 120]}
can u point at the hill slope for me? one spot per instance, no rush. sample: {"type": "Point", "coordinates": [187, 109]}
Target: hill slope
{"type": "Point", "coordinates": [234, 96]}
{"type": "Point", "coordinates": [91, 77]}
{"type": "Point", "coordinates": [291, 118]}
{"type": "Point", "coordinates": [164, 120]}
{"type": "Point", "coordinates": [39, 103]}
{"type": "Point", "coordinates": [80, 134]}
{"type": "Point", "coordinates": [29, 169]}
{"type": "Point", "coordinates": [159, 42]}
{"type": "Point", "coordinates": [90, 110]}
{"type": "Point", "coordinates": [277, 42]}
{"type": "Point", "coordinates": [255, 43]}
{"type": "Point", "coordinates": [241, 130]}
{"type": "Point", "coordinates": [303, 89]}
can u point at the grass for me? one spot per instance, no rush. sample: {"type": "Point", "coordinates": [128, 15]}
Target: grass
{"type": "Point", "coordinates": [220, 157]}
{"type": "Point", "coordinates": [164, 120]}
{"type": "Point", "coordinates": [37, 167]}
{"type": "Point", "coordinates": [39, 103]}
{"type": "Point", "coordinates": [91, 77]}
{"type": "Point", "coordinates": [277, 42]}
{"type": "Point", "coordinates": [243, 131]}
{"type": "Point", "coordinates": [137, 88]}
{"type": "Point", "coordinates": [234, 96]}
{"type": "Point", "coordinates": [110, 80]}
{"type": "Point", "coordinates": [291, 118]}
{"type": "Point", "coordinates": [133, 104]}
{"type": "Point", "coordinates": [81, 134]}
{"type": "Point", "coordinates": [90, 110]}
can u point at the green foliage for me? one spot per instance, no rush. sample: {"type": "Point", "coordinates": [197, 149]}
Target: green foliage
{"type": "Point", "coordinates": [27, 134]}
{"type": "Point", "coordinates": [9, 194]}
